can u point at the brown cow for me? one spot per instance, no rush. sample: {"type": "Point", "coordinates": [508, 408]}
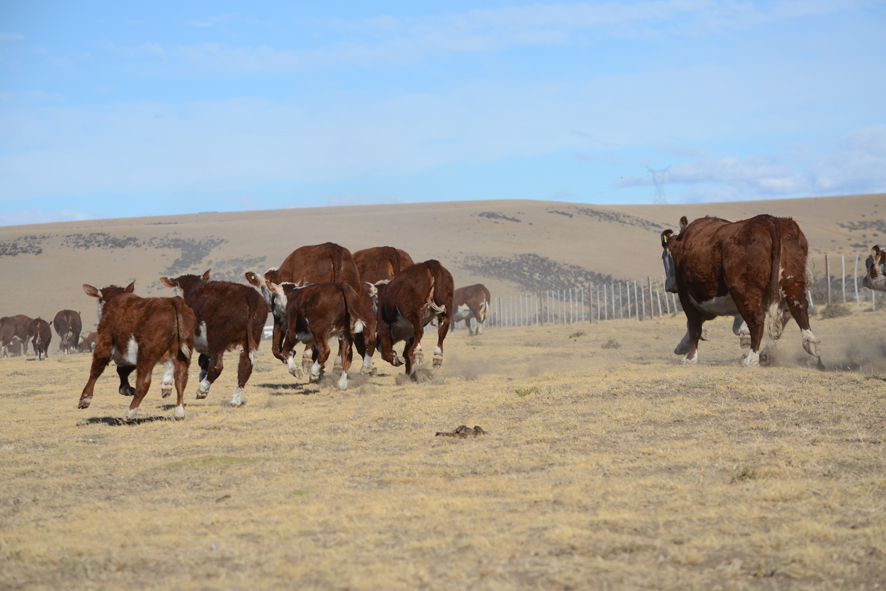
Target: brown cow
{"type": "Point", "coordinates": [314, 314]}
{"type": "Point", "coordinates": [138, 333]}
{"type": "Point", "coordinates": [68, 325]}
{"type": "Point", "coordinates": [14, 329]}
{"type": "Point", "coordinates": [380, 263]}
{"type": "Point", "coordinates": [875, 278]}
{"type": "Point", "coordinates": [40, 334]}
{"type": "Point", "coordinates": [471, 302]}
{"type": "Point", "coordinates": [410, 301]}
{"type": "Point", "coordinates": [229, 316]}
{"type": "Point", "coordinates": [320, 263]}
{"type": "Point", "coordinates": [721, 268]}
{"type": "Point", "coordinates": [87, 342]}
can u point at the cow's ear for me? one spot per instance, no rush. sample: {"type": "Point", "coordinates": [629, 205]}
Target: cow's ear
{"type": "Point", "coordinates": [373, 290]}
{"type": "Point", "coordinates": [880, 255]}
{"type": "Point", "coordinates": [275, 287]}
{"type": "Point", "coordinates": [206, 275]}
{"type": "Point", "coordinates": [683, 223]}
{"type": "Point", "coordinates": [130, 288]}
{"type": "Point", "coordinates": [168, 282]}
{"type": "Point", "coordinates": [253, 279]}
{"type": "Point", "coordinates": [91, 291]}
{"type": "Point", "coordinates": [666, 237]}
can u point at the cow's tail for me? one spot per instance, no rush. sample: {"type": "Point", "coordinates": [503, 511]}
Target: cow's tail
{"type": "Point", "coordinates": [773, 315]}
{"type": "Point", "coordinates": [337, 256]}
{"type": "Point", "coordinates": [250, 339]}
{"type": "Point", "coordinates": [180, 329]}
{"type": "Point", "coordinates": [353, 323]}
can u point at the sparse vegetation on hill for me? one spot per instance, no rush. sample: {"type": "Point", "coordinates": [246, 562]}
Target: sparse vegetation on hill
{"type": "Point", "coordinates": [531, 272]}
{"type": "Point", "coordinates": [23, 245]}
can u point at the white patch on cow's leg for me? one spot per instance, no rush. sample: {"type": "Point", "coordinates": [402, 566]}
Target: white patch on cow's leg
{"type": "Point", "coordinates": [683, 347]}
{"type": "Point", "coordinates": [343, 381]}
{"type": "Point", "coordinates": [179, 413]}
{"type": "Point", "coordinates": [417, 354]}
{"type": "Point", "coordinates": [438, 357]}
{"type": "Point", "coordinates": [252, 357]}
{"type": "Point", "coordinates": [129, 415]}
{"type": "Point", "coordinates": [367, 365]}
{"type": "Point", "coordinates": [315, 372]}
{"type": "Point", "coordinates": [751, 359]}
{"type": "Point", "coordinates": [237, 397]}
{"type": "Point", "coordinates": [693, 359]}
{"type": "Point", "coordinates": [294, 368]}
{"type": "Point", "coordinates": [167, 382]}
{"type": "Point", "coordinates": [810, 343]}
{"type": "Point", "coordinates": [203, 389]}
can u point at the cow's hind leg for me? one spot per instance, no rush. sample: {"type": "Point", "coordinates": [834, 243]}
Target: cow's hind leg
{"type": "Point", "coordinates": [180, 376]}
{"type": "Point", "coordinates": [442, 331]}
{"type": "Point", "coordinates": [756, 322]}
{"type": "Point", "coordinates": [123, 371]}
{"type": "Point", "coordinates": [694, 323]}
{"type": "Point", "coordinates": [347, 356]}
{"type": "Point", "coordinates": [795, 295]}
{"type": "Point", "coordinates": [168, 380]}
{"type": "Point", "coordinates": [214, 368]}
{"type": "Point", "coordinates": [413, 344]}
{"type": "Point", "coordinates": [244, 370]}
{"type": "Point", "coordinates": [317, 369]}
{"type": "Point", "coordinates": [101, 357]}
{"type": "Point", "coordinates": [142, 385]}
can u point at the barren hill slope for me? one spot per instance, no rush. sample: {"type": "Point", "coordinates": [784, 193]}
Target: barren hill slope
{"type": "Point", "coordinates": [511, 246]}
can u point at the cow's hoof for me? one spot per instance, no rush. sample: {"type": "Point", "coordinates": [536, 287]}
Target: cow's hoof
{"type": "Point", "coordinates": [85, 402]}
{"type": "Point", "coordinates": [343, 382]}
{"type": "Point", "coordinates": [752, 359]}
{"type": "Point", "coordinates": [693, 360]}
{"type": "Point", "coordinates": [179, 414]}
{"type": "Point", "coordinates": [129, 416]}
{"type": "Point", "coordinates": [438, 362]}
{"type": "Point", "coordinates": [201, 394]}
{"type": "Point", "coordinates": [811, 343]}
{"type": "Point", "coordinates": [166, 391]}
{"type": "Point", "coordinates": [397, 362]}
{"type": "Point", "coordinates": [704, 334]}
{"type": "Point", "coordinates": [337, 364]}
{"type": "Point", "coordinates": [127, 391]}
{"type": "Point", "coordinates": [745, 341]}
{"type": "Point", "coordinates": [419, 358]}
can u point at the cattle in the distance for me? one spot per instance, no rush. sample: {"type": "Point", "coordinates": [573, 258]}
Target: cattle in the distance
{"type": "Point", "coordinates": [318, 263]}
{"type": "Point", "coordinates": [14, 329]}
{"type": "Point", "coordinates": [316, 313]}
{"type": "Point", "coordinates": [87, 342]}
{"type": "Point", "coordinates": [40, 335]}
{"type": "Point", "coordinates": [137, 334]}
{"type": "Point", "coordinates": [412, 299]}
{"type": "Point", "coordinates": [722, 268]}
{"type": "Point", "coordinates": [229, 316]}
{"type": "Point", "coordinates": [471, 302]}
{"type": "Point", "coordinates": [67, 324]}
{"type": "Point", "coordinates": [875, 278]}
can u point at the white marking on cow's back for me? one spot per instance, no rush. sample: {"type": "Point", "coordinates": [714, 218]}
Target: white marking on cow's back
{"type": "Point", "coordinates": [718, 306]}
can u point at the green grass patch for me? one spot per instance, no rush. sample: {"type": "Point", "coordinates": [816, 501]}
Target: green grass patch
{"type": "Point", "coordinates": [527, 391]}
{"type": "Point", "coordinates": [298, 493]}
{"type": "Point", "coordinates": [744, 474]}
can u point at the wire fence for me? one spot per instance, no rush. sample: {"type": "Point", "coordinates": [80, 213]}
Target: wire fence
{"type": "Point", "coordinates": [646, 299]}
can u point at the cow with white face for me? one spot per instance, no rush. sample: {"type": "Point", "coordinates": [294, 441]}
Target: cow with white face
{"type": "Point", "coordinates": [471, 302]}
{"type": "Point", "coordinates": [875, 278]}
{"type": "Point", "coordinates": [754, 270]}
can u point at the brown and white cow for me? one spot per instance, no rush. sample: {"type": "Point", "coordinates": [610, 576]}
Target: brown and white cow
{"type": "Point", "coordinates": [40, 334]}
{"type": "Point", "coordinates": [412, 299]}
{"type": "Point", "coordinates": [316, 313]}
{"type": "Point", "coordinates": [721, 268]}
{"type": "Point", "coordinates": [138, 333]}
{"type": "Point", "coordinates": [88, 342]}
{"type": "Point", "coordinates": [14, 329]}
{"type": "Point", "coordinates": [68, 325]}
{"type": "Point", "coordinates": [875, 278]}
{"type": "Point", "coordinates": [229, 316]}
{"type": "Point", "coordinates": [471, 302]}
{"type": "Point", "coordinates": [318, 263]}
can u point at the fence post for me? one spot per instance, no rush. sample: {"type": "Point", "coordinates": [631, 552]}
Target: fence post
{"type": "Point", "coordinates": [643, 296]}
{"type": "Point", "coordinates": [605, 304]}
{"type": "Point", "coordinates": [651, 307]}
{"type": "Point", "coordinates": [667, 301]}
{"type": "Point", "coordinates": [857, 301]}
{"type": "Point", "coordinates": [658, 297]}
{"type": "Point", "coordinates": [621, 305]}
{"type": "Point", "coordinates": [636, 302]}
{"type": "Point", "coordinates": [628, 289]}
{"type": "Point", "coordinates": [827, 266]}
{"type": "Point", "coordinates": [674, 297]}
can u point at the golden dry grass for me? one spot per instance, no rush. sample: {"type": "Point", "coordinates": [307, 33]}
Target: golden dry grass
{"type": "Point", "coordinates": [603, 468]}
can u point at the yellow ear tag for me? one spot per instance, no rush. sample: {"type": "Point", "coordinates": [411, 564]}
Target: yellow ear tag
{"type": "Point", "coordinates": [665, 238]}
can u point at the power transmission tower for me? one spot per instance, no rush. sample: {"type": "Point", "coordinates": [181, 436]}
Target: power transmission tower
{"type": "Point", "coordinates": [659, 177]}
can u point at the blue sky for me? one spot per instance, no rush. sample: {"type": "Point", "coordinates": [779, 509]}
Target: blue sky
{"type": "Point", "coordinates": [115, 110]}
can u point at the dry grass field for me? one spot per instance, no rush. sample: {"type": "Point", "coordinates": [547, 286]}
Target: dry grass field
{"type": "Point", "coordinates": [604, 467]}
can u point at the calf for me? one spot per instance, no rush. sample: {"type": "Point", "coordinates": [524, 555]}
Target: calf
{"type": "Point", "coordinates": [471, 302]}
{"type": "Point", "coordinates": [87, 342]}
{"type": "Point", "coordinates": [138, 333]}
{"type": "Point", "coordinates": [68, 325]}
{"type": "Point", "coordinates": [412, 299]}
{"type": "Point", "coordinates": [229, 315]}
{"type": "Point", "coordinates": [14, 329]}
{"type": "Point", "coordinates": [39, 333]}
{"type": "Point", "coordinates": [316, 313]}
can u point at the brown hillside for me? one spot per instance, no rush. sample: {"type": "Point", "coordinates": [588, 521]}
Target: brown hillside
{"type": "Point", "coordinates": [511, 246]}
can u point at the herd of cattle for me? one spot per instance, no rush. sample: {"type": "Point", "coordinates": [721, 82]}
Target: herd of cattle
{"type": "Point", "coordinates": [754, 270]}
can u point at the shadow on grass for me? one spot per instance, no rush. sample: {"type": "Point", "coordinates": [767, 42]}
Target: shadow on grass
{"type": "Point", "coordinates": [116, 422]}
{"type": "Point", "coordinates": [289, 389]}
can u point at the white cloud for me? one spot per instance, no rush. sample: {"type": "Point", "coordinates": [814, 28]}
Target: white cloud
{"type": "Point", "coordinates": [32, 215]}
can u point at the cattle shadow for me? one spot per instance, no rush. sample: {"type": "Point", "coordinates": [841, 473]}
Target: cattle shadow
{"type": "Point", "coordinates": [289, 389]}
{"type": "Point", "coordinates": [117, 422]}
